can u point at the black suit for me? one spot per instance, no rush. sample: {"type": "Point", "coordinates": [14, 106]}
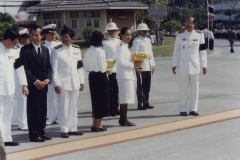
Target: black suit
{"type": "Point", "coordinates": [36, 69]}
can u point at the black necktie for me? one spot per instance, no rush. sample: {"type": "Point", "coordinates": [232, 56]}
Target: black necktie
{"type": "Point", "coordinates": [39, 54]}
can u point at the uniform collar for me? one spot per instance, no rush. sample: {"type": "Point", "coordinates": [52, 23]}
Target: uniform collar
{"type": "Point", "coordinates": [47, 42]}
{"type": "Point", "coordinates": [19, 44]}
{"type": "Point", "coordinates": [190, 33]}
{"type": "Point", "coordinates": [67, 47]}
{"type": "Point", "coordinates": [142, 37]}
{"type": "Point", "coordinates": [122, 42]}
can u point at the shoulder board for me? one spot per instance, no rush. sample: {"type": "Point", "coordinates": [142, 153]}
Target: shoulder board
{"type": "Point", "coordinates": [105, 38]}
{"type": "Point", "coordinates": [181, 32]}
{"type": "Point", "coordinates": [198, 31]}
{"type": "Point", "coordinates": [59, 46]}
{"type": "Point", "coordinates": [75, 46]}
{"type": "Point", "coordinates": [16, 47]}
{"type": "Point", "coordinates": [43, 43]}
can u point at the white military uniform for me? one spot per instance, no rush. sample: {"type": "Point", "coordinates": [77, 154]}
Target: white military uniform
{"type": "Point", "coordinates": [51, 95]}
{"type": "Point", "coordinates": [143, 44]}
{"type": "Point", "coordinates": [21, 100]}
{"type": "Point", "coordinates": [68, 76]}
{"type": "Point", "coordinates": [189, 60]}
{"type": "Point", "coordinates": [109, 46]}
{"type": "Point", "coordinates": [7, 88]}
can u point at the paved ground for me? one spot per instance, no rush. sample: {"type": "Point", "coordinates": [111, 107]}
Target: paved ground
{"type": "Point", "coordinates": [219, 91]}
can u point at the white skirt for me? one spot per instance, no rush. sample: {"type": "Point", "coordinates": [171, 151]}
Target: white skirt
{"type": "Point", "coordinates": [126, 91]}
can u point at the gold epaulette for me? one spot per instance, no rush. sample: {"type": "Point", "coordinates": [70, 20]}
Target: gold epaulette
{"type": "Point", "coordinates": [198, 31]}
{"type": "Point", "coordinates": [75, 46]}
{"type": "Point", "coordinates": [181, 32]}
{"type": "Point", "coordinates": [59, 46]}
{"type": "Point", "coordinates": [16, 47]}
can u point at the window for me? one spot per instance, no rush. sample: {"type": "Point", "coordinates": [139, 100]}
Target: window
{"type": "Point", "coordinates": [82, 19]}
{"type": "Point", "coordinates": [54, 18]}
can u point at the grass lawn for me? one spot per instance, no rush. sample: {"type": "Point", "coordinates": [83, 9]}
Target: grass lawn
{"type": "Point", "coordinates": [158, 51]}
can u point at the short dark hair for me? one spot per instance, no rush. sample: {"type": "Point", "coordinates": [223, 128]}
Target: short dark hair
{"type": "Point", "coordinates": [34, 28]}
{"type": "Point", "coordinates": [96, 39]}
{"type": "Point", "coordinates": [123, 30]}
{"type": "Point", "coordinates": [194, 20]}
{"type": "Point", "coordinates": [10, 34]}
{"type": "Point", "coordinates": [68, 31]}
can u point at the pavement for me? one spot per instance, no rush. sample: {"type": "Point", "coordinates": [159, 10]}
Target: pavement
{"type": "Point", "coordinates": [219, 92]}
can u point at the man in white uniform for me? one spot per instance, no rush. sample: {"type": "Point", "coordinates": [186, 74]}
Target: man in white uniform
{"type": "Point", "coordinates": [190, 58]}
{"type": "Point", "coordinates": [50, 42]}
{"type": "Point", "coordinates": [68, 79]}
{"type": "Point", "coordinates": [21, 100]}
{"type": "Point", "coordinates": [109, 46]}
{"type": "Point", "coordinates": [143, 44]}
{"type": "Point", "coordinates": [8, 54]}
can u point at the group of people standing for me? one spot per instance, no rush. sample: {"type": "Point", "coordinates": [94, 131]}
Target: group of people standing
{"type": "Point", "coordinates": [57, 67]}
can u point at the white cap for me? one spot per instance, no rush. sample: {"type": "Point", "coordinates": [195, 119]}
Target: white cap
{"type": "Point", "coordinates": [142, 27]}
{"type": "Point", "coordinates": [111, 26]}
{"type": "Point", "coordinates": [24, 32]}
{"type": "Point", "coordinates": [49, 28]}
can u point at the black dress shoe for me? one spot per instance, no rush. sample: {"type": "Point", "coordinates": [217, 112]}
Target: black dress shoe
{"type": "Point", "coordinates": [183, 114]}
{"type": "Point", "coordinates": [22, 129]}
{"type": "Point", "coordinates": [150, 107]}
{"type": "Point", "coordinates": [193, 113]}
{"type": "Point", "coordinates": [11, 143]}
{"type": "Point", "coordinates": [93, 129]}
{"type": "Point", "coordinates": [75, 133]}
{"type": "Point", "coordinates": [112, 114]}
{"type": "Point", "coordinates": [126, 123]}
{"type": "Point", "coordinates": [99, 129]}
{"type": "Point", "coordinates": [117, 111]}
{"type": "Point", "coordinates": [142, 108]}
{"type": "Point", "coordinates": [37, 140]}
{"type": "Point", "coordinates": [46, 138]}
{"type": "Point", "coordinates": [64, 135]}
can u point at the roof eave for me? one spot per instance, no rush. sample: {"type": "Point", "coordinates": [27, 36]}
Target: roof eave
{"type": "Point", "coordinates": [29, 10]}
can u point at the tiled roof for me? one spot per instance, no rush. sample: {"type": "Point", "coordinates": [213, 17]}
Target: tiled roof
{"type": "Point", "coordinates": [56, 5]}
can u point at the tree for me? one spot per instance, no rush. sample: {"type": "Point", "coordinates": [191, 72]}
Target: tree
{"type": "Point", "coordinates": [232, 11]}
{"type": "Point", "coordinates": [87, 33]}
{"type": "Point", "coordinates": [172, 26]}
{"type": "Point", "coordinates": [6, 22]}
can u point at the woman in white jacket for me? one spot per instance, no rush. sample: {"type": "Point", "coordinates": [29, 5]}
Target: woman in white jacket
{"type": "Point", "coordinates": [125, 75]}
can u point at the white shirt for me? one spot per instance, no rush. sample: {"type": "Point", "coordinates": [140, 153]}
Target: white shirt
{"type": "Point", "coordinates": [36, 48]}
{"type": "Point", "coordinates": [65, 72]}
{"type": "Point", "coordinates": [187, 57]}
{"type": "Point", "coordinates": [95, 60]}
{"type": "Point", "coordinates": [210, 35]}
{"type": "Point", "coordinates": [125, 64]}
{"type": "Point", "coordinates": [109, 46]}
{"type": "Point", "coordinates": [143, 44]}
{"type": "Point", "coordinates": [51, 45]}
{"type": "Point", "coordinates": [7, 60]}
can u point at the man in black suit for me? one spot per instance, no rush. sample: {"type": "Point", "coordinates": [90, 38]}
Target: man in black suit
{"type": "Point", "coordinates": [36, 61]}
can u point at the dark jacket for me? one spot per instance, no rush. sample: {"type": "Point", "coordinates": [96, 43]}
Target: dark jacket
{"type": "Point", "coordinates": [35, 68]}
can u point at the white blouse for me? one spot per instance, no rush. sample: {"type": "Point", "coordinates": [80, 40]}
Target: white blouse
{"type": "Point", "coordinates": [125, 66]}
{"type": "Point", "coordinates": [95, 60]}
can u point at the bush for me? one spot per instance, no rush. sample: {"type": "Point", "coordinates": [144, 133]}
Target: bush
{"type": "Point", "coordinates": [87, 33]}
{"type": "Point", "coordinates": [172, 26]}
{"type": "Point", "coordinates": [134, 35]}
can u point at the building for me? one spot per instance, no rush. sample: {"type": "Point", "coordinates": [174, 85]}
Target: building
{"type": "Point", "coordinates": [17, 9]}
{"type": "Point", "coordinates": [78, 14]}
{"type": "Point", "coordinates": [221, 7]}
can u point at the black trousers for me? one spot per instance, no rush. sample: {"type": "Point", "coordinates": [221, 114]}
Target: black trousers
{"type": "Point", "coordinates": [143, 88]}
{"type": "Point", "coordinates": [113, 92]}
{"type": "Point", "coordinates": [36, 113]}
{"type": "Point", "coordinates": [211, 44]}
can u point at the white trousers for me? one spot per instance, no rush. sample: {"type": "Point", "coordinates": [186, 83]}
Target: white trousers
{"type": "Point", "coordinates": [6, 107]}
{"type": "Point", "coordinates": [186, 82]}
{"type": "Point", "coordinates": [21, 102]}
{"type": "Point", "coordinates": [51, 104]}
{"type": "Point", "coordinates": [67, 110]}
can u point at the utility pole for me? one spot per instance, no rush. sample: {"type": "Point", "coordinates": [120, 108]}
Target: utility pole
{"type": "Point", "coordinates": [174, 9]}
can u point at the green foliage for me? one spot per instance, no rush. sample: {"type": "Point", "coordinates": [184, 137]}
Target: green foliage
{"type": "Point", "coordinates": [134, 35]}
{"type": "Point", "coordinates": [87, 33]}
{"type": "Point", "coordinates": [6, 22]}
{"type": "Point", "coordinates": [172, 26]}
